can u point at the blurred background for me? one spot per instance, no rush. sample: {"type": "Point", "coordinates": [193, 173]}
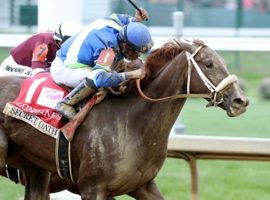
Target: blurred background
{"type": "Point", "coordinates": [239, 30]}
{"type": "Point", "coordinates": [199, 13]}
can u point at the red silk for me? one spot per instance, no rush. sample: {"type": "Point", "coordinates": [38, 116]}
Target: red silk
{"type": "Point", "coordinates": [38, 96]}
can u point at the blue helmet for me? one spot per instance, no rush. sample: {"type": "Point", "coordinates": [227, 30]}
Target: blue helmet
{"type": "Point", "coordinates": [137, 35]}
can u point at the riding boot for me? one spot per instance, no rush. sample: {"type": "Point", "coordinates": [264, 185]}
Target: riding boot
{"type": "Point", "coordinates": [80, 92]}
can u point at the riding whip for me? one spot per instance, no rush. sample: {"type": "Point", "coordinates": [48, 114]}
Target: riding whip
{"type": "Point", "coordinates": [136, 7]}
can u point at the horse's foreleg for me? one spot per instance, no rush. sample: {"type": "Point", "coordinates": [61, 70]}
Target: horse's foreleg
{"type": "Point", "coordinates": [90, 190]}
{"type": "Point", "coordinates": [3, 149]}
{"type": "Point", "coordinates": [149, 191]}
{"type": "Point", "coordinates": [92, 193]}
{"type": "Point", "coordinates": [37, 183]}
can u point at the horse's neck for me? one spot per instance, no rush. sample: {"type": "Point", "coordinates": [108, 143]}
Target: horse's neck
{"type": "Point", "coordinates": [171, 81]}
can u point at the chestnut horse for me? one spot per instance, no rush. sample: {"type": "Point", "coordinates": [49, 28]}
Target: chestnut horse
{"type": "Point", "coordinates": [122, 144]}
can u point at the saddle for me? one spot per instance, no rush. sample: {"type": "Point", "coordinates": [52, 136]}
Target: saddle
{"type": "Point", "coordinates": [35, 104]}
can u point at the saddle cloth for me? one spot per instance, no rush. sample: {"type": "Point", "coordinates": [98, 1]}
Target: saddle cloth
{"type": "Point", "coordinates": [36, 102]}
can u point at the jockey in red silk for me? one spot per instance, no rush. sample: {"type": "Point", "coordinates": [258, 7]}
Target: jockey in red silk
{"type": "Point", "coordinates": [84, 61]}
{"type": "Point", "coordinates": [38, 51]}
{"type": "Point", "coordinates": [35, 55]}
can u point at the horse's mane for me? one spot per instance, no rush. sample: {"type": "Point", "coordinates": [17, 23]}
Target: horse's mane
{"type": "Point", "coordinates": [160, 56]}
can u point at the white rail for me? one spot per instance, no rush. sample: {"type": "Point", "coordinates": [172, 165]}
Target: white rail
{"type": "Point", "coordinates": [12, 40]}
{"type": "Point", "coordinates": [192, 148]}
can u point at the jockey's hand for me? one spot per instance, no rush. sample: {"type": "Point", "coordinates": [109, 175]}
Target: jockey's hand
{"type": "Point", "coordinates": [141, 16]}
{"type": "Point", "coordinates": [136, 74]}
{"type": "Point", "coordinates": [143, 73]}
{"type": "Point", "coordinates": [123, 89]}
{"type": "Point", "coordinates": [101, 94]}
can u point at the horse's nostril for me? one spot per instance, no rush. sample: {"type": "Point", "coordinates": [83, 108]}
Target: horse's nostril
{"type": "Point", "coordinates": [238, 101]}
{"type": "Point", "coordinates": [241, 101]}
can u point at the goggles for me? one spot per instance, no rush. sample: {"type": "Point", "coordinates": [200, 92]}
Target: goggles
{"type": "Point", "coordinates": [141, 49]}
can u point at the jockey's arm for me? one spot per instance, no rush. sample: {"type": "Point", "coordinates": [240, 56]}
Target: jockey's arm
{"type": "Point", "coordinates": [125, 19]}
{"type": "Point", "coordinates": [103, 78]}
{"type": "Point", "coordinates": [39, 56]}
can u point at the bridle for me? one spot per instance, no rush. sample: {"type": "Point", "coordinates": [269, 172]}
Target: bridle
{"type": "Point", "coordinates": [215, 91]}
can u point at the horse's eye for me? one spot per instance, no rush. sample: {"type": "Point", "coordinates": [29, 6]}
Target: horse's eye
{"type": "Point", "coordinates": [209, 65]}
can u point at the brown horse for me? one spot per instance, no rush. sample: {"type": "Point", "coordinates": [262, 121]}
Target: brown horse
{"type": "Point", "coordinates": [122, 144]}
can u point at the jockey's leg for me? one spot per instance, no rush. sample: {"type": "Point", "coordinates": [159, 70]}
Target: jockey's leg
{"type": "Point", "coordinates": [3, 149]}
{"type": "Point", "coordinates": [80, 92]}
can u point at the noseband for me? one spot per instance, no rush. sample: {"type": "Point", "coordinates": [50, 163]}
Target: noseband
{"type": "Point", "coordinates": [215, 91]}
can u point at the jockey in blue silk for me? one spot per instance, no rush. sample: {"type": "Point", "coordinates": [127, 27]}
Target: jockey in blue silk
{"type": "Point", "coordinates": [84, 61]}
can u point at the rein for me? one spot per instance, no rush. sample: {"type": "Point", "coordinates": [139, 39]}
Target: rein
{"type": "Point", "coordinates": [214, 90]}
{"type": "Point", "coordinates": [179, 96]}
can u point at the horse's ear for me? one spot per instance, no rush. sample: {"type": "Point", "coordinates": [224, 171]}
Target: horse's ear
{"type": "Point", "coordinates": [185, 45]}
{"type": "Point", "coordinates": [199, 42]}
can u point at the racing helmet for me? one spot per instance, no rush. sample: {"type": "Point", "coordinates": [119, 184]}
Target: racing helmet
{"type": "Point", "coordinates": [66, 30]}
{"type": "Point", "coordinates": [137, 36]}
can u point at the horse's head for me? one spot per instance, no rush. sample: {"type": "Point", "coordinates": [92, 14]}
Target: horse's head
{"type": "Point", "coordinates": [207, 72]}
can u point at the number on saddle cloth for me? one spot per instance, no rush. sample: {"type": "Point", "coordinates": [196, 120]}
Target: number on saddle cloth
{"type": "Point", "coordinates": [36, 102]}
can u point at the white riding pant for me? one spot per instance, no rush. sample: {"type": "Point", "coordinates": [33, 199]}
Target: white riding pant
{"type": "Point", "coordinates": [67, 76]}
{"type": "Point", "coordinates": [9, 67]}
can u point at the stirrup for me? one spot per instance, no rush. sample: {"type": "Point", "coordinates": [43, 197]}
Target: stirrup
{"type": "Point", "coordinates": [65, 110]}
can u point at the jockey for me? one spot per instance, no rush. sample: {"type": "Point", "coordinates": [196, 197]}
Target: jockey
{"type": "Point", "coordinates": [84, 61]}
{"type": "Point", "coordinates": [38, 51]}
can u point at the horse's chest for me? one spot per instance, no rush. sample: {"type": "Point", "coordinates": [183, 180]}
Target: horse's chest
{"type": "Point", "coordinates": [138, 169]}
{"type": "Point", "coordinates": [129, 176]}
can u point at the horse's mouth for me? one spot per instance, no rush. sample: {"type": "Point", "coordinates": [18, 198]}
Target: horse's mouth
{"type": "Point", "coordinates": [236, 112]}
{"type": "Point", "coordinates": [236, 108]}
